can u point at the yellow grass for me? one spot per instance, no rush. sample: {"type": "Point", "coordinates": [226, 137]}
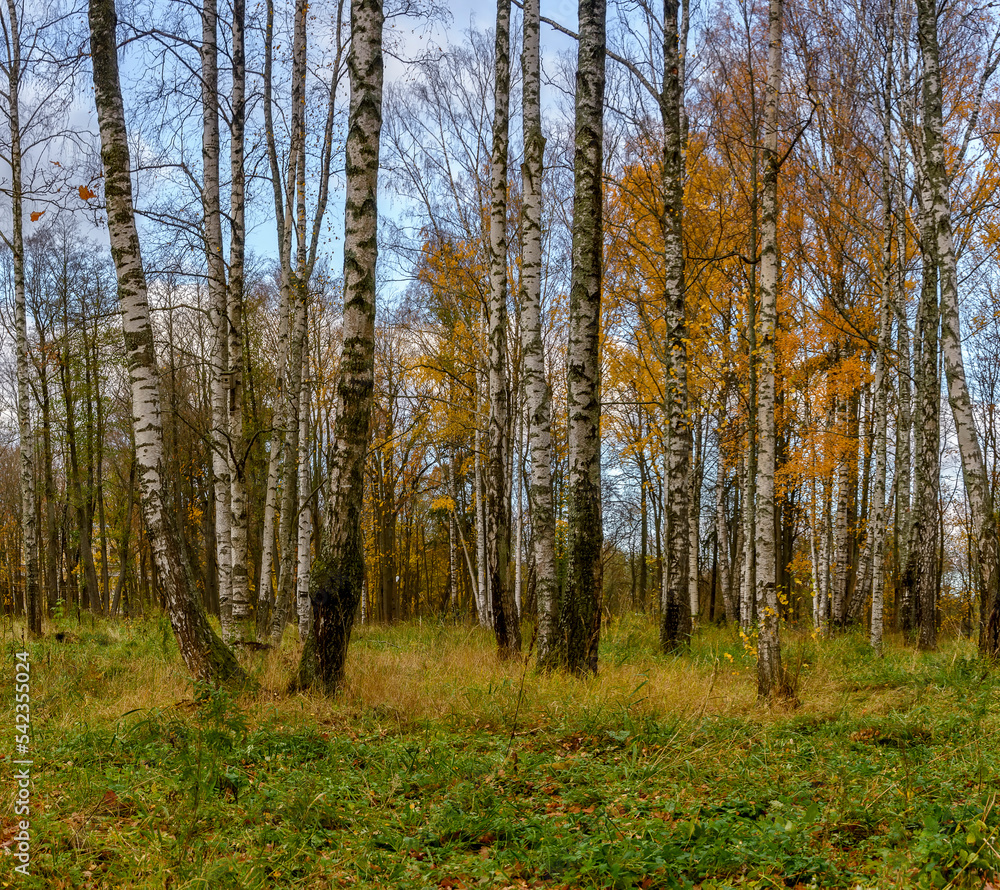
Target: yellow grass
{"type": "Point", "coordinates": [402, 676]}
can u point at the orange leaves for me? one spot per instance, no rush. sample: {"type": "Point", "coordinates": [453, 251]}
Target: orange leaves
{"type": "Point", "coordinates": [37, 215]}
{"type": "Point", "coordinates": [85, 193]}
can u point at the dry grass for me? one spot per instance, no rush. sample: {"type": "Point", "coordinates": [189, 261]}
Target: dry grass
{"type": "Point", "coordinates": [411, 674]}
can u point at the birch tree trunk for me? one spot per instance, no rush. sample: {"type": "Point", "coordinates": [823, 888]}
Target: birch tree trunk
{"type": "Point", "coordinates": [237, 246]}
{"type": "Point", "coordinates": [771, 680]}
{"type": "Point", "coordinates": [841, 540]}
{"type": "Point", "coordinates": [722, 540]}
{"type": "Point", "coordinates": [483, 601]}
{"type": "Point", "coordinates": [205, 655]}
{"type": "Point", "coordinates": [924, 552]}
{"type": "Point", "coordinates": [303, 608]}
{"type": "Point", "coordinates": [218, 311]}
{"type": "Point", "coordinates": [506, 625]}
{"type": "Point", "coordinates": [580, 618]}
{"type": "Point", "coordinates": [746, 550]}
{"type": "Point", "coordinates": [983, 518]}
{"type": "Point", "coordinates": [877, 534]}
{"type": "Point", "coordinates": [284, 208]}
{"type": "Point", "coordinates": [537, 392]}
{"type": "Point", "coordinates": [287, 526]}
{"type": "Point", "coordinates": [676, 615]}
{"type": "Point", "coordinates": [29, 522]}
{"type": "Point", "coordinates": [904, 424]}
{"type": "Point", "coordinates": [824, 559]}
{"type": "Point", "coordinates": [338, 573]}
{"type": "Point", "coordinates": [694, 529]}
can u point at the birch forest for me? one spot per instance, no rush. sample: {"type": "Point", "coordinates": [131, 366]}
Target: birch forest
{"type": "Point", "coordinates": [691, 315]}
{"type": "Point", "coordinates": [550, 448]}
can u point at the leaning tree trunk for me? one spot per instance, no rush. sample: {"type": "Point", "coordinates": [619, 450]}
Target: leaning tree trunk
{"type": "Point", "coordinates": [977, 486]}
{"type": "Point", "coordinates": [675, 616]}
{"type": "Point", "coordinates": [206, 656]}
{"type": "Point", "coordinates": [771, 680]}
{"type": "Point", "coordinates": [506, 625]}
{"type": "Point", "coordinates": [580, 619]}
{"type": "Point", "coordinates": [338, 573]}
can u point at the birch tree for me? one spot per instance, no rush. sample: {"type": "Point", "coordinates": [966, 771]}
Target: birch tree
{"type": "Point", "coordinates": [338, 573]}
{"type": "Point", "coordinates": [675, 622]}
{"type": "Point", "coordinates": [771, 680]}
{"type": "Point", "coordinates": [580, 618]}
{"type": "Point", "coordinates": [537, 391]}
{"type": "Point", "coordinates": [300, 222]}
{"type": "Point", "coordinates": [218, 310]}
{"type": "Point", "coordinates": [237, 448]}
{"type": "Point", "coordinates": [877, 536]}
{"type": "Point", "coordinates": [205, 655]}
{"type": "Point", "coordinates": [939, 230]}
{"type": "Point", "coordinates": [506, 622]}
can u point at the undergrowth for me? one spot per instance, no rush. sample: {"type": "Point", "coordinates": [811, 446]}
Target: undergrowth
{"type": "Point", "coordinates": [440, 766]}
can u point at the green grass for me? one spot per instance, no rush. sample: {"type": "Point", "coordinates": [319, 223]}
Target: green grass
{"type": "Point", "coordinates": [441, 767]}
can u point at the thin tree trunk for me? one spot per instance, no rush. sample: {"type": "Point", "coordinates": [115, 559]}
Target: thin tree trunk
{"type": "Point", "coordinates": [904, 423]}
{"type": "Point", "coordinates": [877, 534]}
{"type": "Point", "coordinates": [29, 522]}
{"type": "Point", "coordinates": [74, 481]}
{"type": "Point", "coordinates": [925, 526]}
{"type": "Point", "coordinates": [52, 561]}
{"type": "Point", "coordinates": [842, 547]}
{"type": "Point", "coordinates": [284, 208]}
{"type": "Point", "coordinates": [99, 469]}
{"type": "Point", "coordinates": [283, 604]}
{"type": "Point", "coordinates": [482, 577]}
{"type": "Point", "coordinates": [123, 541]}
{"type": "Point", "coordinates": [694, 530]}
{"type": "Point", "coordinates": [218, 311]}
{"type": "Point", "coordinates": [237, 246]}
{"type": "Point", "coordinates": [722, 542]}
{"type": "Point", "coordinates": [303, 607]}
{"type": "Point", "coordinates": [747, 528]}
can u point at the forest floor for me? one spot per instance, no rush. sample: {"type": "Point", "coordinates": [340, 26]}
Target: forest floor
{"type": "Point", "coordinates": [441, 767]}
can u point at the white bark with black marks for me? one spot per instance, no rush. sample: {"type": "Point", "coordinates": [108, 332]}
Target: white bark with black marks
{"type": "Point", "coordinates": [506, 625]}
{"type": "Point", "coordinates": [206, 656]}
{"type": "Point", "coordinates": [580, 618]}
{"type": "Point", "coordinates": [977, 486]}
{"type": "Point", "coordinates": [770, 675]}
{"type": "Point", "coordinates": [338, 573]}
